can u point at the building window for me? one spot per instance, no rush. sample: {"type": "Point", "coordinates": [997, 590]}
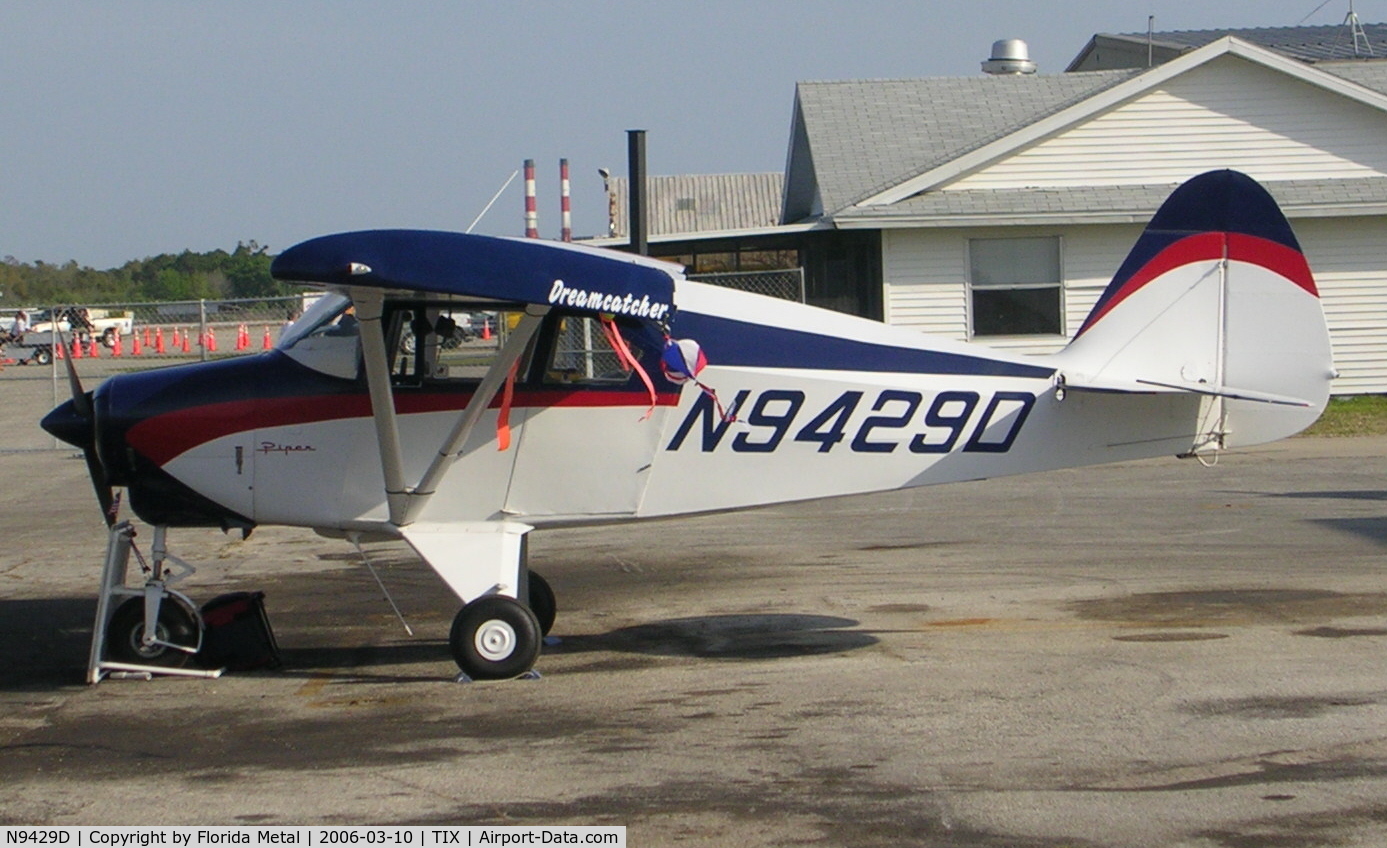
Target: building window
{"type": "Point", "coordinates": [1015, 286]}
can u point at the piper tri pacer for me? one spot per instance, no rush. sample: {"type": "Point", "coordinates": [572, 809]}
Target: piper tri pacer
{"type": "Point", "coordinates": [584, 399]}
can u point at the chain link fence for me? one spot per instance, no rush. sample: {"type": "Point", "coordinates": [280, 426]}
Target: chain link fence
{"type": "Point", "coordinates": [786, 284]}
{"type": "Point", "coordinates": [114, 338]}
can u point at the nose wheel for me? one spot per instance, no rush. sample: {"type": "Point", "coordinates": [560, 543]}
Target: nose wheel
{"type": "Point", "coordinates": [495, 638]}
{"type": "Point", "coordinates": [176, 634]}
{"type": "Point", "coordinates": [122, 643]}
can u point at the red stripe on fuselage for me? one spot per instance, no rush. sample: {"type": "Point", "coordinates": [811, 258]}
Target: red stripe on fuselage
{"type": "Point", "coordinates": [166, 436]}
{"type": "Point", "coordinates": [1274, 256]}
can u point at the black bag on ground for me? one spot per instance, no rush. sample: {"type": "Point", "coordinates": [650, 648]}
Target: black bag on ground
{"type": "Point", "coordinates": [236, 633]}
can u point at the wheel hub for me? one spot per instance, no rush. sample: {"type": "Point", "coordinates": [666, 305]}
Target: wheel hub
{"type": "Point", "coordinates": [495, 640]}
{"type": "Point", "coordinates": [151, 651]}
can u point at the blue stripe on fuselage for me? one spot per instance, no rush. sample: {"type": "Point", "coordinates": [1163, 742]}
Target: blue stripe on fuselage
{"type": "Point", "coordinates": [742, 343]}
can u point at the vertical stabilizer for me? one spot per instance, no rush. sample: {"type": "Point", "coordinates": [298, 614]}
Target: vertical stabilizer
{"type": "Point", "coordinates": [1216, 299]}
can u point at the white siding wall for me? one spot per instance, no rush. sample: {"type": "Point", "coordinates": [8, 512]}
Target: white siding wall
{"type": "Point", "coordinates": [1229, 113]}
{"type": "Point", "coordinates": [926, 287]}
{"type": "Point", "coordinates": [1349, 260]}
{"type": "Point", "coordinates": [926, 277]}
{"type": "Point", "coordinates": [924, 274]}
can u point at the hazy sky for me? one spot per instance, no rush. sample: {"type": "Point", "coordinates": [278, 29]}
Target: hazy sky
{"type": "Point", "coordinates": [136, 128]}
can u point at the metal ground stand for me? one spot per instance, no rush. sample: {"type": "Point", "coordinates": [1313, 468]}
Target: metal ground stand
{"type": "Point", "coordinates": [155, 591]}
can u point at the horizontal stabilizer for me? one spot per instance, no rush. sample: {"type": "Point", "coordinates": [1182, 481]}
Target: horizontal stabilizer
{"type": "Point", "coordinates": [1140, 386]}
{"type": "Point", "coordinates": [1232, 393]}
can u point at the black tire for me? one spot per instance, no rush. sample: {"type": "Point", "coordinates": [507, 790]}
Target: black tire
{"type": "Point", "coordinates": [126, 631]}
{"type": "Point", "coordinates": [495, 638]}
{"type": "Point", "coordinates": [542, 603]}
{"type": "Point", "coordinates": [42, 356]}
{"type": "Point", "coordinates": [108, 337]}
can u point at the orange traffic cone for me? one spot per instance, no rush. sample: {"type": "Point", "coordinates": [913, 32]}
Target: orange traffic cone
{"type": "Point", "coordinates": [212, 340]}
{"type": "Point", "coordinates": [159, 342]}
{"type": "Point", "coordinates": [486, 329]}
{"type": "Point", "coordinates": [76, 348]}
{"type": "Point", "coordinates": [93, 349]}
{"type": "Point", "coordinates": [242, 337]}
{"type": "Point", "coordinates": [135, 349]}
{"type": "Point", "coordinates": [175, 341]}
{"type": "Point", "coordinates": [58, 351]}
{"type": "Point", "coordinates": [116, 345]}
{"type": "Point", "coordinates": [146, 337]}
{"type": "Point", "coordinates": [187, 345]}
{"type": "Point", "coordinates": [266, 343]}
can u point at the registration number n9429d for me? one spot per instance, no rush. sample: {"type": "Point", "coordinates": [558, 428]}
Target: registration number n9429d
{"type": "Point", "coordinates": [779, 418]}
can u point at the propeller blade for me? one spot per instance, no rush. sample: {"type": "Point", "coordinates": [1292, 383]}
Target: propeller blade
{"type": "Point", "coordinates": [82, 405]}
{"type": "Point", "coordinates": [105, 495]}
{"type": "Point", "coordinates": [79, 397]}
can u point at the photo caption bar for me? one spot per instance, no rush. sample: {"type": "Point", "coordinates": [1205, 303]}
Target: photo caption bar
{"type": "Point", "coordinates": [392, 837]}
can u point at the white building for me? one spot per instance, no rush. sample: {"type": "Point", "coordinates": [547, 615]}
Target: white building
{"type": "Point", "coordinates": [1004, 204]}
{"type": "Point", "coordinates": [996, 208]}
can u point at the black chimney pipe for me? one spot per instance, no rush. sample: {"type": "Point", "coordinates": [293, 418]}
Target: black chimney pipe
{"type": "Point", "coordinates": [635, 193]}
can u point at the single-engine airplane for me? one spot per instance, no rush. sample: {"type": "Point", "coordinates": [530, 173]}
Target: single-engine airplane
{"type": "Point", "coordinates": [586, 400]}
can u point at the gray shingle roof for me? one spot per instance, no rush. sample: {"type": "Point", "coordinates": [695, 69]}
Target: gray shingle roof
{"type": "Point", "coordinates": [1306, 43]}
{"type": "Point", "coordinates": [1368, 74]}
{"type": "Point", "coordinates": [868, 135]}
{"type": "Point", "coordinates": [702, 203]}
{"type": "Point", "coordinates": [1109, 203]}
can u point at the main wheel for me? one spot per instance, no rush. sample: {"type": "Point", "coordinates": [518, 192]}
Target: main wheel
{"type": "Point", "coordinates": [108, 338]}
{"type": "Point", "coordinates": [543, 603]}
{"type": "Point", "coordinates": [125, 634]}
{"type": "Point", "coordinates": [494, 638]}
{"type": "Point", "coordinates": [42, 356]}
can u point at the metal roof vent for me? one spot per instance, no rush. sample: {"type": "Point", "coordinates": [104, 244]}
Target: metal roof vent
{"type": "Point", "coordinates": [1009, 56]}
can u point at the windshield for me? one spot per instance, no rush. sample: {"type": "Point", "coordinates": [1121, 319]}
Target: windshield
{"type": "Point", "coordinates": [327, 338]}
{"type": "Point", "coordinates": [324, 313]}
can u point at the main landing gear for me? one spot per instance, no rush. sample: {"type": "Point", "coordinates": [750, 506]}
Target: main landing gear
{"type": "Point", "coordinates": [149, 628]}
{"type": "Point", "coordinates": [496, 637]}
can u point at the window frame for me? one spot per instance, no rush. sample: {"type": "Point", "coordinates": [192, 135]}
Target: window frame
{"type": "Point", "coordinates": [971, 287]}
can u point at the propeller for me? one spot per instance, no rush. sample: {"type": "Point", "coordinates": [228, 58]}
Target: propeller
{"type": "Point", "coordinates": [75, 423]}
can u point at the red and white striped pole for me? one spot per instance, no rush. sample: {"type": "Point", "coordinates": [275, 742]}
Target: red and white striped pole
{"type": "Point", "coordinates": [531, 212]}
{"type": "Point", "coordinates": [565, 209]}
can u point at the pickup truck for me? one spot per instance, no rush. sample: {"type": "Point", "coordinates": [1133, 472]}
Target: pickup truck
{"type": "Point", "coordinates": [37, 345]}
{"type": "Point", "coordinates": [105, 323]}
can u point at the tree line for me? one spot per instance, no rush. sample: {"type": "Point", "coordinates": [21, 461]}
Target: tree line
{"type": "Point", "coordinates": [215, 275]}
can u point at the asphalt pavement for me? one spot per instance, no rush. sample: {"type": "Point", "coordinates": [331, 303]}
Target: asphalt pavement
{"type": "Point", "coordinates": [1145, 654]}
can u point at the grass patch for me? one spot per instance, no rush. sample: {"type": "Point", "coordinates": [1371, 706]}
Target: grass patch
{"type": "Point", "coordinates": [1353, 415]}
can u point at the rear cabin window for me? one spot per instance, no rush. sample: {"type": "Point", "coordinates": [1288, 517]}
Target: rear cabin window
{"type": "Point", "coordinates": [582, 353]}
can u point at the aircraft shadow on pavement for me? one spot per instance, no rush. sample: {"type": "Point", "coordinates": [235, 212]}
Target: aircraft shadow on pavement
{"type": "Point", "coordinates": [727, 637]}
{"type": "Point", "coordinates": [44, 642]}
{"type": "Point", "coordinates": [1368, 527]}
{"type": "Point", "coordinates": [1346, 494]}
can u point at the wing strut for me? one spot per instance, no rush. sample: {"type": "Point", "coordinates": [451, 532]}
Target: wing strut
{"type": "Point", "coordinates": [467, 422]}
{"type": "Point", "coordinates": [377, 362]}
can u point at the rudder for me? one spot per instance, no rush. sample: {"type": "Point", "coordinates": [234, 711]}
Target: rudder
{"type": "Point", "coordinates": [1215, 299]}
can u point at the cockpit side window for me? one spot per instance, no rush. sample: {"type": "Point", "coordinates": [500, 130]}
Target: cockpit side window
{"type": "Point", "coordinates": [433, 343]}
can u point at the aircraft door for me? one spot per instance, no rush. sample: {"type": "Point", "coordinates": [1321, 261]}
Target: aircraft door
{"type": "Point", "coordinates": [586, 448]}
